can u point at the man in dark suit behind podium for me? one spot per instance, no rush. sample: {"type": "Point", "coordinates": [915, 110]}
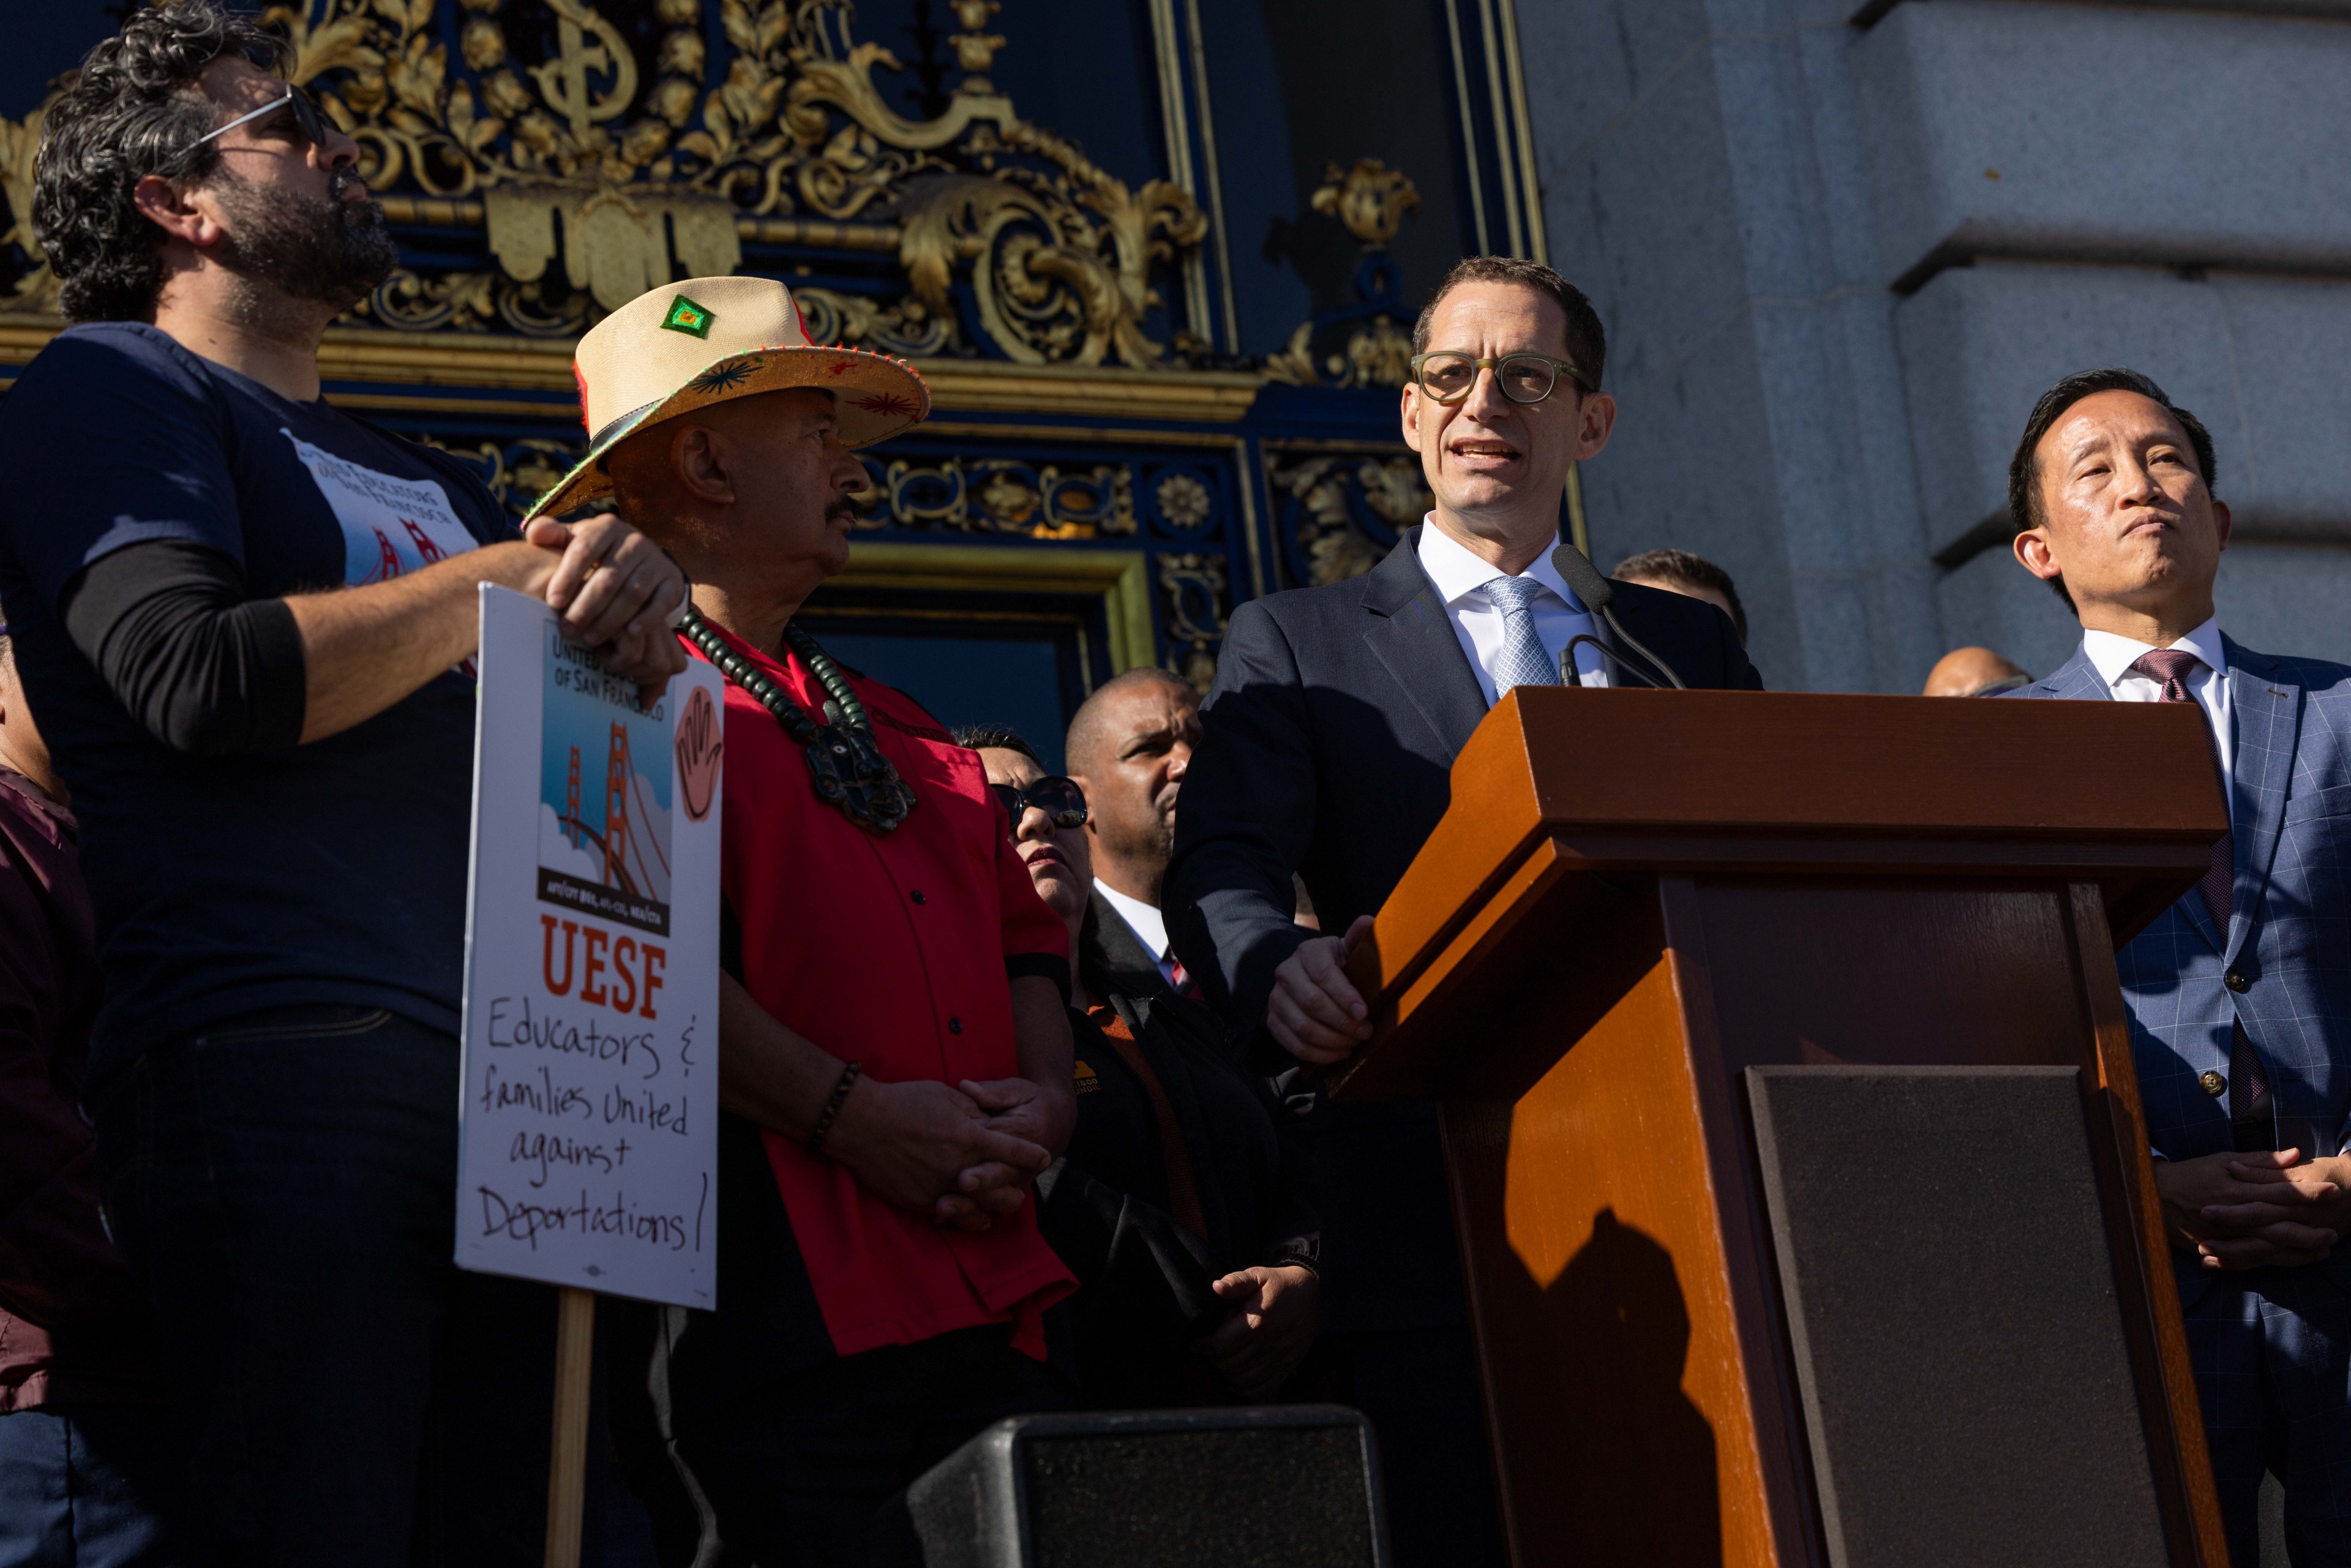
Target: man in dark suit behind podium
{"type": "Point", "coordinates": [1329, 740]}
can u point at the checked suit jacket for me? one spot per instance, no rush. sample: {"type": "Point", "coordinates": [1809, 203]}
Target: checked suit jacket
{"type": "Point", "coordinates": [2289, 935]}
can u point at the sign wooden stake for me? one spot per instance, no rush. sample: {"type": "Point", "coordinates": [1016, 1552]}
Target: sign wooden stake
{"type": "Point", "coordinates": [587, 1143]}
{"type": "Point", "coordinates": [567, 1469]}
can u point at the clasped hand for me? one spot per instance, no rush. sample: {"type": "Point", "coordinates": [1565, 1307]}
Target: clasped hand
{"type": "Point", "coordinates": [616, 591]}
{"type": "Point", "coordinates": [964, 1154]}
{"type": "Point", "coordinates": [2256, 1210]}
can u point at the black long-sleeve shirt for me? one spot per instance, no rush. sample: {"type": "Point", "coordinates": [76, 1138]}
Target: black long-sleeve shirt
{"type": "Point", "coordinates": [203, 667]}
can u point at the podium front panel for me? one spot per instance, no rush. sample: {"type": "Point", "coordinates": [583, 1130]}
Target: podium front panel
{"type": "Point", "coordinates": [1640, 1377]}
{"type": "Point", "coordinates": [1943, 1256]}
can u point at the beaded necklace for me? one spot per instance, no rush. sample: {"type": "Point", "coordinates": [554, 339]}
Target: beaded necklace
{"type": "Point", "coordinates": [850, 769]}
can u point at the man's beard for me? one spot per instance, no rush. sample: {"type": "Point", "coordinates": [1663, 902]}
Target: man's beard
{"type": "Point", "coordinates": [324, 249]}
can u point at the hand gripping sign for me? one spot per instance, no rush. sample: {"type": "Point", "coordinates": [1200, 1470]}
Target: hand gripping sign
{"type": "Point", "coordinates": [587, 1147]}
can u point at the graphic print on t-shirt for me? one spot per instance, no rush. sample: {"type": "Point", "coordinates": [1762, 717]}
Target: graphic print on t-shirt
{"type": "Point", "coordinates": [392, 526]}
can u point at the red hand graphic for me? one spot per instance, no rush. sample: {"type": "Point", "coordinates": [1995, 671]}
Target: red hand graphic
{"type": "Point", "coordinates": [701, 741]}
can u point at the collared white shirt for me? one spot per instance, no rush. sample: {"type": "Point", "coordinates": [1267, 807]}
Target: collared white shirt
{"type": "Point", "coordinates": [1149, 927]}
{"type": "Point", "coordinates": [1461, 577]}
{"type": "Point", "coordinates": [2112, 657]}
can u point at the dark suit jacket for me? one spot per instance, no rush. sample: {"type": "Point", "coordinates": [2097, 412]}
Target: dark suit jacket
{"type": "Point", "coordinates": [1111, 961]}
{"type": "Point", "coordinates": [1329, 739]}
{"type": "Point", "coordinates": [1109, 1208]}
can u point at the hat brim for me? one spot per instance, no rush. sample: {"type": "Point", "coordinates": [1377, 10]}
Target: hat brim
{"type": "Point", "coordinates": [875, 397]}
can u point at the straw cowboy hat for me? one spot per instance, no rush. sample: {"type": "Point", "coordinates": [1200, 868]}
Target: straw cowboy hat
{"type": "Point", "coordinates": [684, 346]}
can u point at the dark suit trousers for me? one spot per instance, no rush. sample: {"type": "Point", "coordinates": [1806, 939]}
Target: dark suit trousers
{"type": "Point", "coordinates": [2272, 1349]}
{"type": "Point", "coordinates": [1419, 1387]}
{"type": "Point", "coordinates": [804, 1472]}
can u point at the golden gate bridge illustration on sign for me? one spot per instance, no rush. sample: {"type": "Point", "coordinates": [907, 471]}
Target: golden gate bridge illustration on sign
{"type": "Point", "coordinates": [636, 859]}
{"type": "Point", "coordinates": [604, 795]}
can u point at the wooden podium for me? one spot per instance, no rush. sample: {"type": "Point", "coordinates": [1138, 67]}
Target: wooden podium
{"type": "Point", "coordinates": [1742, 1294]}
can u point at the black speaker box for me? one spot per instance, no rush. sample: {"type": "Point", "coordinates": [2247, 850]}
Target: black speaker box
{"type": "Point", "coordinates": [1294, 1485]}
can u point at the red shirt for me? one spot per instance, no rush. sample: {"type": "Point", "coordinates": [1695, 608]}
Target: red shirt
{"type": "Point", "coordinates": [73, 1326]}
{"type": "Point", "coordinates": [894, 950]}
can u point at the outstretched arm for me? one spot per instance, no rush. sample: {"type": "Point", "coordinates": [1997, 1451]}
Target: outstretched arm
{"type": "Point", "coordinates": [171, 628]}
{"type": "Point", "coordinates": [364, 649]}
{"type": "Point", "coordinates": [1247, 821]}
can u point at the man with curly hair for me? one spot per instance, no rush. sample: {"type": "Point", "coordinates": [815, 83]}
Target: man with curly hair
{"type": "Point", "coordinates": [246, 620]}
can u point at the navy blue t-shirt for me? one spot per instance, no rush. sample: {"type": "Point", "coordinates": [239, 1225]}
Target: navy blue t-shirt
{"type": "Point", "coordinates": [330, 872]}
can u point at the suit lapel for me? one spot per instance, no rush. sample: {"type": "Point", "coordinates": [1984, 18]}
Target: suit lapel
{"type": "Point", "coordinates": [1408, 632]}
{"type": "Point", "coordinates": [2266, 706]}
{"type": "Point", "coordinates": [1126, 965]}
{"type": "Point", "coordinates": [2077, 680]}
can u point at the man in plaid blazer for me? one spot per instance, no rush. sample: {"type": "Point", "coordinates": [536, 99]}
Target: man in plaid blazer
{"type": "Point", "coordinates": [2239, 993]}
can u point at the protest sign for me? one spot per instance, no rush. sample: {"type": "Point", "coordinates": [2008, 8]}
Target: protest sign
{"type": "Point", "coordinates": [589, 1123]}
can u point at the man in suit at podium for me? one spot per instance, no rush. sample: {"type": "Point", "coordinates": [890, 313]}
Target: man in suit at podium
{"type": "Point", "coordinates": [2240, 994]}
{"type": "Point", "coordinates": [1329, 737]}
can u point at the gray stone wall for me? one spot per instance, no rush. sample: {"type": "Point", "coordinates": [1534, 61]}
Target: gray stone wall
{"type": "Point", "coordinates": [1840, 249]}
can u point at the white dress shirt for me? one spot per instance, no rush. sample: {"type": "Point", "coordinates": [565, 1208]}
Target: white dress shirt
{"type": "Point", "coordinates": [1461, 577]}
{"type": "Point", "coordinates": [1149, 927]}
{"type": "Point", "coordinates": [2112, 657]}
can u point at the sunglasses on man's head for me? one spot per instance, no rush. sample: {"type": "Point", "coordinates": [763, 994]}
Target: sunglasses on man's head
{"type": "Point", "coordinates": [1063, 803]}
{"type": "Point", "coordinates": [307, 119]}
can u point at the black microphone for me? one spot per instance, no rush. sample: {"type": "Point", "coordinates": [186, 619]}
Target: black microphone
{"type": "Point", "coordinates": [1596, 592]}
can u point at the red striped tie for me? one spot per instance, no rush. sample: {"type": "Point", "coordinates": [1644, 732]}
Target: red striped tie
{"type": "Point", "coordinates": [1183, 978]}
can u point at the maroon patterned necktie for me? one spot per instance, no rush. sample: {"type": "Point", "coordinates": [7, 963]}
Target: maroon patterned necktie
{"type": "Point", "coordinates": [2250, 1102]}
{"type": "Point", "coordinates": [2171, 667]}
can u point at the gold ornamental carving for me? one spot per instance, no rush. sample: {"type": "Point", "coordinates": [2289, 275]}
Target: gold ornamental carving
{"type": "Point", "coordinates": [617, 162]}
{"type": "Point", "coordinates": [1371, 199]}
{"type": "Point", "coordinates": [1193, 599]}
{"type": "Point", "coordinates": [1327, 493]}
{"type": "Point", "coordinates": [37, 291]}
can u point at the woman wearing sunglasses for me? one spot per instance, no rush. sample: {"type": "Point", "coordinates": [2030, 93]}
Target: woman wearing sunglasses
{"type": "Point", "coordinates": [1175, 1207]}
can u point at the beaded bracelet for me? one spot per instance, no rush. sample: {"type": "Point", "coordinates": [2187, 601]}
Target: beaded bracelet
{"type": "Point", "coordinates": [833, 1106]}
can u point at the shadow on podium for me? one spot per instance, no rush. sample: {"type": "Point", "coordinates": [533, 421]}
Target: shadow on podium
{"type": "Point", "coordinates": [1621, 1297]}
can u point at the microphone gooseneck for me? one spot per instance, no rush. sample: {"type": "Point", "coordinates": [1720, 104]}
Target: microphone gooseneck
{"type": "Point", "coordinates": [1568, 678]}
{"type": "Point", "coordinates": [1634, 643]}
{"type": "Point", "coordinates": [1597, 592]}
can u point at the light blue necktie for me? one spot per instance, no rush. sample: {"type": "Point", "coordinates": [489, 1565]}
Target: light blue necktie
{"type": "Point", "coordinates": [1524, 661]}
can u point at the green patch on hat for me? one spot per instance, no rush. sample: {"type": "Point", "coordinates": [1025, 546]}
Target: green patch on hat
{"type": "Point", "coordinates": [685, 316]}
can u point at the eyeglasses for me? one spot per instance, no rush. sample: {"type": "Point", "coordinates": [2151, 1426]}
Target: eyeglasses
{"type": "Point", "coordinates": [306, 119]}
{"type": "Point", "coordinates": [1063, 803]}
{"type": "Point", "coordinates": [1448, 375]}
